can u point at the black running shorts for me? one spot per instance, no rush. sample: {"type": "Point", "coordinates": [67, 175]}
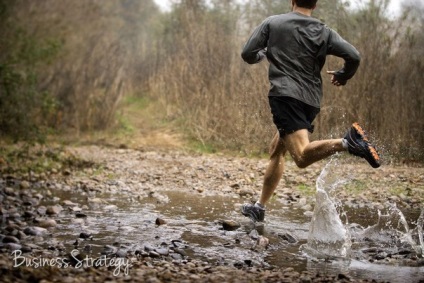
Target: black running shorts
{"type": "Point", "coordinates": [291, 115]}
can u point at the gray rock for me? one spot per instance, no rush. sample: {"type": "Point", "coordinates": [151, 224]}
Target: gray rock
{"type": "Point", "coordinates": [54, 209]}
{"type": "Point", "coordinates": [10, 239]}
{"type": "Point", "coordinates": [24, 185]}
{"type": "Point", "coordinates": [35, 231]}
{"type": "Point", "coordinates": [45, 223]}
{"type": "Point", "coordinates": [162, 251]}
{"type": "Point", "coordinates": [13, 246]}
{"type": "Point", "coordinates": [230, 225]}
{"type": "Point", "coordinates": [254, 234]}
{"type": "Point", "coordinates": [160, 221]}
{"type": "Point", "coordinates": [121, 253]}
{"type": "Point", "coordinates": [84, 235]}
{"type": "Point", "coordinates": [287, 237]}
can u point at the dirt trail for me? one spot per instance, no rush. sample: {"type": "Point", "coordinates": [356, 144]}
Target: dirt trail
{"type": "Point", "coordinates": [205, 173]}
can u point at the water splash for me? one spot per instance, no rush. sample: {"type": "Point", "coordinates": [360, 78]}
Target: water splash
{"type": "Point", "coordinates": [420, 227]}
{"type": "Point", "coordinates": [413, 237]}
{"type": "Point", "coordinates": [393, 232]}
{"type": "Point", "coordinates": [328, 236]}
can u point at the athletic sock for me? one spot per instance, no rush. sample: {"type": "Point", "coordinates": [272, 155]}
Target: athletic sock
{"type": "Point", "coordinates": [345, 144]}
{"type": "Point", "coordinates": [259, 205]}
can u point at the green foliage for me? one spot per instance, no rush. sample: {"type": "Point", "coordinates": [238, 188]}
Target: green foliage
{"type": "Point", "coordinates": [355, 187]}
{"type": "Point", "coordinates": [25, 109]}
{"type": "Point", "coordinates": [306, 190]}
{"type": "Point", "coordinates": [201, 146]}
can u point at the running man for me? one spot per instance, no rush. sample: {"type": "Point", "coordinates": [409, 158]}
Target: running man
{"type": "Point", "coordinates": [296, 46]}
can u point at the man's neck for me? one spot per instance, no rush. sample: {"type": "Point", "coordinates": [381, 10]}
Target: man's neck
{"type": "Point", "coordinates": [303, 11]}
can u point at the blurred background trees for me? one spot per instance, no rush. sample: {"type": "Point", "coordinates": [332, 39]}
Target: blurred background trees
{"type": "Point", "coordinates": [66, 65]}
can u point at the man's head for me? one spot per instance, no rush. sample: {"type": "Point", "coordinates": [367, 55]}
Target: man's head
{"type": "Point", "coordinates": [308, 4]}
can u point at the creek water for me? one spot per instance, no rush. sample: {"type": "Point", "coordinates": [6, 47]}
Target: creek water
{"type": "Point", "coordinates": [366, 244]}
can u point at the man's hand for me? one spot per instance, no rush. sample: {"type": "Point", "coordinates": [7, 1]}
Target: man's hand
{"type": "Point", "coordinates": [334, 80]}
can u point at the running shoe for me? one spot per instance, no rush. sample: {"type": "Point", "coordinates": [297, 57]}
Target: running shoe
{"type": "Point", "coordinates": [253, 211]}
{"type": "Point", "coordinates": [359, 145]}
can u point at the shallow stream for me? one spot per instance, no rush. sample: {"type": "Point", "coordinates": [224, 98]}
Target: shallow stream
{"type": "Point", "coordinates": [195, 221]}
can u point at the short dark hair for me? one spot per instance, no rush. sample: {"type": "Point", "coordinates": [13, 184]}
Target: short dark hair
{"type": "Point", "coordinates": [309, 4]}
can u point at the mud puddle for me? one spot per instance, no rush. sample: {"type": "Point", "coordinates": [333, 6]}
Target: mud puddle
{"type": "Point", "coordinates": [193, 223]}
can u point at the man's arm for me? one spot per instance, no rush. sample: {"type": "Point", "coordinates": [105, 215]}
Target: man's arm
{"type": "Point", "coordinates": [337, 46]}
{"type": "Point", "coordinates": [255, 48]}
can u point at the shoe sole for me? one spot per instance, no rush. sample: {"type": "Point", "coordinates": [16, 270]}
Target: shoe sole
{"type": "Point", "coordinates": [372, 152]}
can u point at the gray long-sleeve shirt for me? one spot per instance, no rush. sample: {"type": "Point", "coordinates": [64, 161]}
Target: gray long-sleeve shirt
{"type": "Point", "coordinates": [296, 47]}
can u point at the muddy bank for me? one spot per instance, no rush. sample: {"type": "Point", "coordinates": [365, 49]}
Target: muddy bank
{"type": "Point", "coordinates": [34, 215]}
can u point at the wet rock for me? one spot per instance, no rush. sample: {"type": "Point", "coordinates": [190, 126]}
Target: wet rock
{"type": "Point", "coordinates": [96, 201]}
{"type": "Point", "coordinates": [180, 251]}
{"type": "Point", "coordinates": [110, 207]}
{"type": "Point", "coordinates": [75, 209]}
{"type": "Point", "coordinates": [42, 210]}
{"type": "Point", "coordinates": [302, 202]}
{"type": "Point", "coordinates": [403, 252]}
{"type": "Point", "coordinates": [230, 225]}
{"type": "Point", "coordinates": [10, 191]}
{"type": "Point", "coordinates": [261, 244]}
{"type": "Point", "coordinates": [200, 189]}
{"type": "Point", "coordinates": [88, 248]}
{"type": "Point", "coordinates": [24, 185]}
{"type": "Point", "coordinates": [176, 256]}
{"type": "Point", "coordinates": [80, 215]}
{"type": "Point", "coordinates": [342, 276]}
{"type": "Point", "coordinates": [381, 256]}
{"type": "Point", "coordinates": [121, 253]}
{"type": "Point", "coordinates": [162, 251]}
{"type": "Point", "coordinates": [308, 213]}
{"type": "Point", "coordinates": [148, 247]}
{"type": "Point", "coordinates": [12, 226]}
{"type": "Point", "coordinates": [307, 207]}
{"type": "Point", "coordinates": [10, 239]}
{"type": "Point", "coordinates": [154, 254]}
{"type": "Point", "coordinates": [26, 249]}
{"type": "Point", "coordinates": [228, 245]}
{"type": "Point", "coordinates": [54, 209]}
{"type": "Point", "coordinates": [69, 203]}
{"type": "Point", "coordinates": [254, 234]}
{"type": "Point", "coordinates": [246, 192]}
{"type": "Point", "coordinates": [21, 235]}
{"type": "Point", "coordinates": [28, 214]}
{"type": "Point", "coordinates": [108, 250]}
{"type": "Point", "coordinates": [35, 231]}
{"type": "Point", "coordinates": [45, 223]}
{"type": "Point", "coordinates": [287, 237]}
{"type": "Point", "coordinates": [160, 221]}
{"type": "Point", "coordinates": [77, 220]}
{"type": "Point", "coordinates": [371, 250]}
{"type": "Point", "coordinates": [84, 235]}
{"type": "Point", "coordinates": [13, 246]}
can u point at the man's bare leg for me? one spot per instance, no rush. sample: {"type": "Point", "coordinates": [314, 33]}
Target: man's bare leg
{"type": "Point", "coordinates": [275, 169]}
{"type": "Point", "coordinates": [304, 153]}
